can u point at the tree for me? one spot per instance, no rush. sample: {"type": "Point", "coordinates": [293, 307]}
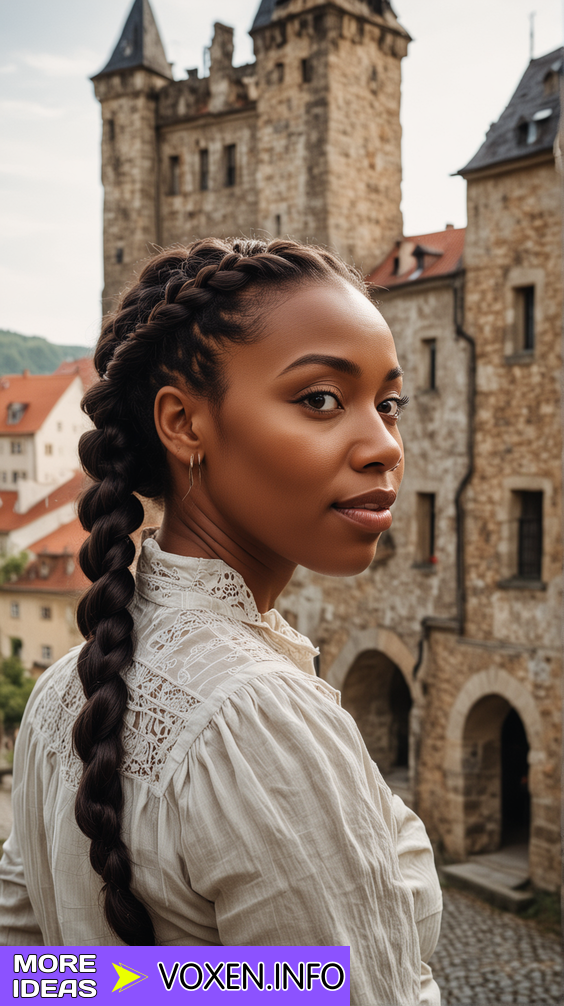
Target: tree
{"type": "Point", "coordinates": [13, 566]}
{"type": "Point", "coordinates": [15, 690]}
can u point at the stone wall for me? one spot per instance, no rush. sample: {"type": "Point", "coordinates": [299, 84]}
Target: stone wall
{"type": "Point", "coordinates": [129, 173]}
{"type": "Point", "coordinates": [511, 647]}
{"type": "Point", "coordinates": [329, 136]}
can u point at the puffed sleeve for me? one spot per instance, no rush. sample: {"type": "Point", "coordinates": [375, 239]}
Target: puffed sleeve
{"type": "Point", "coordinates": [417, 865]}
{"type": "Point", "coordinates": [292, 836]}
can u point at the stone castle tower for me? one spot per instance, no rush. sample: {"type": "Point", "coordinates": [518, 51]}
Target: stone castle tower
{"type": "Point", "coordinates": [304, 142]}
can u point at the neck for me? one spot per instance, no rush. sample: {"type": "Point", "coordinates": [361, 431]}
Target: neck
{"type": "Point", "coordinates": [193, 533]}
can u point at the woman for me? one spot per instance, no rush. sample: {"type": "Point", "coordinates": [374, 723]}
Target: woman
{"type": "Point", "coordinates": [220, 792]}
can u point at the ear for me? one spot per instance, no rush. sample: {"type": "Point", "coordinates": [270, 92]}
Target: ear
{"type": "Point", "coordinates": [178, 421]}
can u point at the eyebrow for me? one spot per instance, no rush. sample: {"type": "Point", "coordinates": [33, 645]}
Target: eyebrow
{"type": "Point", "coordinates": [336, 363]}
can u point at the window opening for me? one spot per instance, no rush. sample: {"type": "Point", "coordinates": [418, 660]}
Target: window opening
{"type": "Point", "coordinates": [230, 165]}
{"type": "Point", "coordinates": [46, 652]}
{"type": "Point", "coordinates": [529, 542]}
{"type": "Point", "coordinates": [280, 72]}
{"type": "Point", "coordinates": [174, 176]}
{"type": "Point", "coordinates": [431, 348]}
{"type": "Point", "coordinates": [111, 130]}
{"type": "Point", "coordinates": [45, 612]}
{"type": "Point", "coordinates": [15, 609]}
{"type": "Point", "coordinates": [119, 255]}
{"type": "Point", "coordinates": [15, 412]}
{"type": "Point", "coordinates": [204, 170]}
{"type": "Point", "coordinates": [48, 448]}
{"type": "Point", "coordinates": [307, 71]}
{"type": "Point", "coordinates": [525, 318]}
{"type": "Point", "coordinates": [278, 225]}
{"type": "Point", "coordinates": [426, 527]}
{"type": "Point", "coordinates": [16, 447]}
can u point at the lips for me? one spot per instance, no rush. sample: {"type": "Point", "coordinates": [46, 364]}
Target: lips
{"type": "Point", "coordinates": [370, 510]}
{"type": "Point", "coordinates": [374, 499]}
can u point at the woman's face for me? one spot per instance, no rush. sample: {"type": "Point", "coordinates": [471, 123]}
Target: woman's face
{"type": "Point", "coordinates": [307, 434]}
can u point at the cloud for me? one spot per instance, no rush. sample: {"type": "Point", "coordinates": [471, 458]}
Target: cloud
{"type": "Point", "coordinates": [81, 64]}
{"type": "Point", "coordinates": [28, 109]}
{"type": "Point", "coordinates": [8, 68]}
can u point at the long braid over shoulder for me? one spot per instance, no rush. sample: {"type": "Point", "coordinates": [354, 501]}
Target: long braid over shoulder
{"type": "Point", "coordinates": [169, 327]}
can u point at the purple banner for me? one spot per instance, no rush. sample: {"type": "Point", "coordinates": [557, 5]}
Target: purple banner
{"type": "Point", "coordinates": [211, 975]}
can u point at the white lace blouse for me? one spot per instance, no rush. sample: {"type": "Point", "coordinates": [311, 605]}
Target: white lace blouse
{"type": "Point", "coordinates": [252, 810]}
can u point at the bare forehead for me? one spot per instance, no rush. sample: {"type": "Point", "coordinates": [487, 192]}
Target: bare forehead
{"type": "Point", "coordinates": [321, 316]}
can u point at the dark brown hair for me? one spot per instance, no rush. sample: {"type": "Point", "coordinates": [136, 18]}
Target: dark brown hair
{"type": "Point", "coordinates": [170, 325]}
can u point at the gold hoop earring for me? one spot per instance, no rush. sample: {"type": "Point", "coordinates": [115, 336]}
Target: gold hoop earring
{"type": "Point", "coordinates": [190, 478]}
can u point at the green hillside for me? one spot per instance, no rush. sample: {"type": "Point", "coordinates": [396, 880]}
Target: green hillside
{"type": "Point", "coordinates": [33, 353]}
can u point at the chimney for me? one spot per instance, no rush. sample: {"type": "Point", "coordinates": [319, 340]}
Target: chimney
{"type": "Point", "coordinates": [449, 227]}
{"type": "Point", "coordinates": [25, 373]}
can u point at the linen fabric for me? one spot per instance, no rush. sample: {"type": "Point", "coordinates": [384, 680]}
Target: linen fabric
{"type": "Point", "coordinates": [252, 810]}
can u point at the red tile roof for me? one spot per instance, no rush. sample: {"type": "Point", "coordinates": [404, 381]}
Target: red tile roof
{"type": "Point", "coordinates": [38, 392]}
{"type": "Point", "coordinates": [11, 521]}
{"type": "Point", "coordinates": [84, 367]}
{"type": "Point", "coordinates": [59, 574]}
{"type": "Point", "coordinates": [442, 255]}
{"type": "Point", "coordinates": [64, 541]}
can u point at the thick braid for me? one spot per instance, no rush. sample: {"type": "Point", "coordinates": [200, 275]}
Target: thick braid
{"type": "Point", "coordinates": [169, 326]}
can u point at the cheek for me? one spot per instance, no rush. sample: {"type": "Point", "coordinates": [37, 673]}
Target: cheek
{"type": "Point", "coordinates": [271, 452]}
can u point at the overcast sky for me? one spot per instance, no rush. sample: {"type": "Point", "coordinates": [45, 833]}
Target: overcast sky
{"type": "Point", "coordinates": [463, 65]}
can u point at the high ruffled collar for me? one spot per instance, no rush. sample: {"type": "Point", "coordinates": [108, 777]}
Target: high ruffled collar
{"type": "Point", "coordinates": [180, 581]}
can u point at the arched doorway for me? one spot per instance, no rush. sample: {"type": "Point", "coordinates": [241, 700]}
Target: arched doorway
{"type": "Point", "coordinates": [515, 797]}
{"type": "Point", "coordinates": [495, 777]}
{"type": "Point", "coordinates": [376, 694]}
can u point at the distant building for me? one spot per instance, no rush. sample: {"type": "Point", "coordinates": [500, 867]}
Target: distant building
{"type": "Point", "coordinates": [40, 425]}
{"type": "Point", "coordinates": [306, 141]}
{"type": "Point", "coordinates": [38, 609]}
{"type": "Point", "coordinates": [84, 367]}
{"type": "Point", "coordinates": [22, 524]}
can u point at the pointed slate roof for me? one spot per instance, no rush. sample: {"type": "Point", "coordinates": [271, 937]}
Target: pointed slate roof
{"type": "Point", "coordinates": [530, 122]}
{"type": "Point", "coordinates": [267, 8]}
{"type": "Point", "coordinates": [140, 44]}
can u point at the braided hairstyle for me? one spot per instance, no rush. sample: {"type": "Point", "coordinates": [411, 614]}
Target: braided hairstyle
{"type": "Point", "coordinates": [168, 328]}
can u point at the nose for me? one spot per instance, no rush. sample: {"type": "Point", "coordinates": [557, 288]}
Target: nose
{"type": "Point", "coordinates": [379, 447]}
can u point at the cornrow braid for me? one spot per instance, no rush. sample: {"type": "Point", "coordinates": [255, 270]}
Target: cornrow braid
{"type": "Point", "coordinates": [170, 325]}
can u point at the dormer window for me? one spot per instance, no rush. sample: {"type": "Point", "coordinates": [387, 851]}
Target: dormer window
{"type": "Point", "coordinates": [551, 82]}
{"type": "Point", "coordinates": [15, 412]}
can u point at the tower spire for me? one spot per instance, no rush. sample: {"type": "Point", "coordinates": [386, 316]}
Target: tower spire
{"type": "Point", "coordinates": [140, 44]}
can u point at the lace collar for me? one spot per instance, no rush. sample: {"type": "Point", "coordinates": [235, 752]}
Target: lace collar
{"type": "Point", "coordinates": [180, 581]}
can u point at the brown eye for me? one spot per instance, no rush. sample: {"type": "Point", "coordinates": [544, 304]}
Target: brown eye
{"type": "Point", "coordinates": [393, 407]}
{"type": "Point", "coordinates": [322, 401]}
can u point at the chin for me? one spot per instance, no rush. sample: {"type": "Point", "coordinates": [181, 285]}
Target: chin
{"type": "Point", "coordinates": [348, 563]}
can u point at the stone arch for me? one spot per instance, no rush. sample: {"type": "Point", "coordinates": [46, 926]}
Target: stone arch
{"type": "Point", "coordinates": [374, 672]}
{"type": "Point", "coordinates": [472, 756]}
{"type": "Point", "coordinates": [378, 638]}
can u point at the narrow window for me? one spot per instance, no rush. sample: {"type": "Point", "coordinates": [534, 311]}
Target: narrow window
{"type": "Point", "coordinates": [426, 527]}
{"type": "Point", "coordinates": [525, 318]}
{"type": "Point", "coordinates": [15, 609]}
{"type": "Point", "coordinates": [529, 540]}
{"type": "Point", "coordinates": [59, 427]}
{"type": "Point", "coordinates": [173, 176]}
{"type": "Point", "coordinates": [307, 71]}
{"type": "Point", "coordinates": [48, 448]}
{"type": "Point", "coordinates": [204, 170]}
{"type": "Point", "coordinates": [111, 130]}
{"type": "Point", "coordinates": [119, 255]}
{"type": "Point", "coordinates": [46, 652]}
{"type": "Point", "coordinates": [230, 165]}
{"type": "Point", "coordinates": [45, 612]}
{"type": "Point", "coordinates": [395, 269]}
{"type": "Point", "coordinates": [280, 72]}
{"type": "Point", "coordinates": [278, 225]}
{"type": "Point", "coordinates": [431, 363]}
{"type": "Point", "coordinates": [16, 447]}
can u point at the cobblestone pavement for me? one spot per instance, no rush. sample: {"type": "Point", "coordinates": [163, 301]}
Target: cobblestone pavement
{"type": "Point", "coordinates": [486, 957]}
